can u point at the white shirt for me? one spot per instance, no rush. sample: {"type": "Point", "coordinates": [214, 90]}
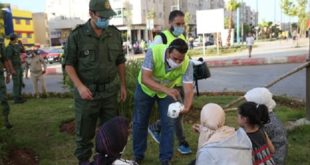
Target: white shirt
{"type": "Point", "coordinates": [250, 40]}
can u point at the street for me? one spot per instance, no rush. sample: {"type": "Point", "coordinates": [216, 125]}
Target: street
{"type": "Point", "coordinates": [246, 77]}
{"type": "Point", "coordinates": [223, 79]}
{"type": "Point", "coordinates": [53, 84]}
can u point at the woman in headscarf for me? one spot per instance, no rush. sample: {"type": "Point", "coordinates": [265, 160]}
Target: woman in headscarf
{"type": "Point", "coordinates": [111, 140]}
{"type": "Point", "coordinates": [219, 144]}
{"type": "Point", "coordinates": [274, 129]}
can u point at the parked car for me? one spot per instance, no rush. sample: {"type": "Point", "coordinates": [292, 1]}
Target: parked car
{"type": "Point", "coordinates": [54, 55]}
{"type": "Point", "coordinates": [197, 42]}
{"type": "Point", "coordinates": [42, 53]}
{"type": "Point", "coordinates": [209, 42]}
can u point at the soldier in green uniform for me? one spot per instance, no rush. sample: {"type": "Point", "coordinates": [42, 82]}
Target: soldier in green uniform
{"type": "Point", "coordinates": [93, 58]}
{"type": "Point", "coordinates": [12, 52]}
{"type": "Point", "coordinates": [3, 97]}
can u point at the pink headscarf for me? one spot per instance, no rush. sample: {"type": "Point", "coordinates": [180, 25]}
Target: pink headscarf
{"type": "Point", "coordinates": [212, 129]}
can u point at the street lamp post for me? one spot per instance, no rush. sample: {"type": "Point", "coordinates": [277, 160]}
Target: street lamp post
{"type": "Point", "coordinates": [308, 77]}
{"type": "Point", "coordinates": [238, 25]}
{"type": "Point", "coordinates": [308, 80]}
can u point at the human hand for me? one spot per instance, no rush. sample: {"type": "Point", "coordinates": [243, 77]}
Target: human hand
{"type": "Point", "coordinates": [85, 93]}
{"type": "Point", "coordinates": [185, 110]}
{"type": "Point", "coordinates": [13, 72]}
{"type": "Point", "coordinates": [174, 93]}
{"type": "Point", "coordinates": [123, 95]}
{"type": "Point", "coordinates": [196, 128]}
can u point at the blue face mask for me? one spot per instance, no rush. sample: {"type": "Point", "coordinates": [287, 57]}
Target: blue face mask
{"type": "Point", "coordinates": [178, 30]}
{"type": "Point", "coordinates": [102, 23]}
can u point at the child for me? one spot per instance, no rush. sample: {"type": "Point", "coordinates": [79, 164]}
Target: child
{"type": "Point", "coordinates": [219, 144]}
{"type": "Point", "coordinates": [252, 117]}
{"type": "Point", "coordinates": [274, 129]}
{"type": "Point", "coordinates": [250, 43]}
{"type": "Point", "coordinates": [111, 140]}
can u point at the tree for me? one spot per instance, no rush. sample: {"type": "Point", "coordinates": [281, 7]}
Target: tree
{"type": "Point", "coordinates": [296, 8]}
{"type": "Point", "coordinates": [232, 6]}
{"type": "Point", "coordinates": [265, 29]}
{"type": "Point", "coordinates": [150, 16]}
{"type": "Point", "coordinates": [128, 17]}
{"type": "Point", "coordinates": [187, 19]}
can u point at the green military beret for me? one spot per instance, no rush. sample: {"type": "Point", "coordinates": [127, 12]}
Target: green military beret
{"type": "Point", "coordinates": [103, 7]}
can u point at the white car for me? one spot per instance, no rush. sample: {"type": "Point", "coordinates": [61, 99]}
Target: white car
{"type": "Point", "coordinates": [197, 42]}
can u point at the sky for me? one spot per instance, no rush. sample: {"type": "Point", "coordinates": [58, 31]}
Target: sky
{"type": "Point", "coordinates": [269, 10]}
{"type": "Point", "coordinates": [31, 5]}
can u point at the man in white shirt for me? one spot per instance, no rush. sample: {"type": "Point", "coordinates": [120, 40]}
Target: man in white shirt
{"type": "Point", "coordinates": [250, 42]}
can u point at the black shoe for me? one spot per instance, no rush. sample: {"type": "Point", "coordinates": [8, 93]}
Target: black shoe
{"type": "Point", "coordinates": [166, 162]}
{"type": "Point", "coordinates": [138, 161]}
{"type": "Point", "coordinates": [8, 126]}
{"type": "Point", "coordinates": [84, 163]}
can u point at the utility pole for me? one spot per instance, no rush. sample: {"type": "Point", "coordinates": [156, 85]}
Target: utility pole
{"type": "Point", "coordinates": [257, 20]}
{"type": "Point", "coordinates": [242, 21]}
{"type": "Point", "coordinates": [308, 80]}
{"type": "Point", "coordinates": [308, 76]}
{"type": "Point", "coordinates": [238, 25]}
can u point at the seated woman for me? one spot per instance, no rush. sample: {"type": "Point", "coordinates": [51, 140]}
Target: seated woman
{"type": "Point", "coordinates": [275, 129]}
{"type": "Point", "coordinates": [219, 144]}
{"type": "Point", "coordinates": [111, 140]}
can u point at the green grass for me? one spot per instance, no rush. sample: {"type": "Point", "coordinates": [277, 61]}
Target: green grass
{"type": "Point", "coordinates": [36, 126]}
{"type": "Point", "coordinates": [213, 50]}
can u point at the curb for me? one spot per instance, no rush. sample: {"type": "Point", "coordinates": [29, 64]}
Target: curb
{"type": "Point", "coordinates": [53, 70]}
{"type": "Point", "coordinates": [257, 61]}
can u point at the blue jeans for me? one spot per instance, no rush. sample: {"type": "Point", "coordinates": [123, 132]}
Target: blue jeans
{"type": "Point", "coordinates": [143, 107]}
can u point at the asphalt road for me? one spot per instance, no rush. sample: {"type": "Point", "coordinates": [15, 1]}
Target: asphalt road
{"type": "Point", "coordinates": [247, 77]}
{"type": "Point", "coordinates": [224, 79]}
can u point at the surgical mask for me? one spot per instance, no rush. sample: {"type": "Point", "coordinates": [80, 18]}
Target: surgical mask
{"type": "Point", "coordinates": [178, 30]}
{"type": "Point", "coordinates": [172, 64]}
{"type": "Point", "coordinates": [102, 23]}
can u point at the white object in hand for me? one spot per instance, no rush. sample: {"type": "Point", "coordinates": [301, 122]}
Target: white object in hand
{"type": "Point", "coordinates": [174, 109]}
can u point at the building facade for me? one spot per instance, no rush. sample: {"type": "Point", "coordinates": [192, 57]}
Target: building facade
{"type": "Point", "coordinates": [40, 28]}
{"type": "Point", "coordinates": [139, 18]}
{"type": "Point", "coordinates": [23, 26]}
{"type": "Point", "coordinates": [61, 20]}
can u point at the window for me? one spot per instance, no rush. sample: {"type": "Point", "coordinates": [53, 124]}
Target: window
{"type": "Point", "coordinates": [27, 22]}
{"type": "Point", "coordinates": [17, 21]}
{"type": "Point", "coordinates": [29, 35]}
{"type": "Point", "coordinates": [19, 35]}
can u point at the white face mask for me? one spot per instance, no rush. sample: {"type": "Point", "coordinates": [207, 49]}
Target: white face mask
{"type": "Point", "coordinates": [173, 64]}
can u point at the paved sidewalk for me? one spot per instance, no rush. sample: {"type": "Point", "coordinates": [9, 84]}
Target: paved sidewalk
{"type": "Point", "coordinates": [275, 52]}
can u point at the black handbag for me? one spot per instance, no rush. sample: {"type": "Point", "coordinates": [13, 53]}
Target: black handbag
{"type": "Point", "coordinates": [201, 71]}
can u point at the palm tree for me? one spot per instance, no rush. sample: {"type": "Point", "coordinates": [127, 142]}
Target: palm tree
{"type": "Point", "coordinates": [232, 6]}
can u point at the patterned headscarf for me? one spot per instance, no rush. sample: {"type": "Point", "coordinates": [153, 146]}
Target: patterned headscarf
{"type": "Point", "coordinates": [111, 140]}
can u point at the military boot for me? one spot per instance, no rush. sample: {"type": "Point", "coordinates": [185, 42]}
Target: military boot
{"type": "Point", "coordinates": [7, 123]}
